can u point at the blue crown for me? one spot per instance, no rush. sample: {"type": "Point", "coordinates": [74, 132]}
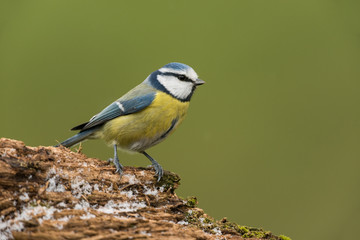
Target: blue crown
{"type": "Point", "coordinates": [176, 66]}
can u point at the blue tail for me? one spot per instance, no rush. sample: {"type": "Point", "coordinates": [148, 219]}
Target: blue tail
{"type": "Point", "coordinates": [81, 136]}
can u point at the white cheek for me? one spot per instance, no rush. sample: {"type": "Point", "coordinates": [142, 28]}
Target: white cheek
{"type": "Point", "coordinates": [176, 87]}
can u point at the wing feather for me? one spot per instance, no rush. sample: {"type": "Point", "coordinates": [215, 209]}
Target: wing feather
{"type": "Point", "coordinates": [114, 110]}
{"type": "Point", "coordinates": [135, 100]}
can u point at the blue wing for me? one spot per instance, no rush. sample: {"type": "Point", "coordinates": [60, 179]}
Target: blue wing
{"type": "Point", "coordinates": [134, 101]}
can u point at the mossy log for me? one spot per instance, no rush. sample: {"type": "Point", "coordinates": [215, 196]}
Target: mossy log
{"type": "Point", "coordinates": [55, 193]}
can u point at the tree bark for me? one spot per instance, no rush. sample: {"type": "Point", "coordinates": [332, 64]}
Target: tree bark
{"type": "Point", "coordinates": [55, 193]}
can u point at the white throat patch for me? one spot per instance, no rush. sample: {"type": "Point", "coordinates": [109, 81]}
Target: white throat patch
{"type": "Point", "coordinates": [179, 89]}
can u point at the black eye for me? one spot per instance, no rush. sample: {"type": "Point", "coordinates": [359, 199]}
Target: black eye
{"type": "Point", "coordinates": [182, 77]}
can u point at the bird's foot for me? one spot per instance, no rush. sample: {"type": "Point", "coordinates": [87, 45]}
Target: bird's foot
{"type": "Point", "coordinates": [118, 165]}
{"type": "Point", "coordinates": [158, 170]}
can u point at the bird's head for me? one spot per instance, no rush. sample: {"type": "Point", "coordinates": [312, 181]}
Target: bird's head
{"type": "Point", "coordinates": [176, 79]}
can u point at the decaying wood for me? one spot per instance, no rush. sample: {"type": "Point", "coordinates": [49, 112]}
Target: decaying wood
{"type": "Point", "coordinates": [54, 193]}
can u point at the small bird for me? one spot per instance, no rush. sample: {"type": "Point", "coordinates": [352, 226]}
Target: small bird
{"type": "Point", "coordinates": [144, 116]}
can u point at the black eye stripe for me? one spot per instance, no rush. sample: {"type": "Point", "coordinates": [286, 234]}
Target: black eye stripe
{"type": "Point", "coordinates": [181, 77]}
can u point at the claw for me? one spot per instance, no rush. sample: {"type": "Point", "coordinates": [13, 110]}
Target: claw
{"type": "Point", "coordinates": [158, 169]}
{"type": "Point", "coordinates": [119, 166]}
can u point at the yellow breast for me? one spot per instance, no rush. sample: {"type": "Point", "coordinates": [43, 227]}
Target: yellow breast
{"type": "Point", "coordinates": [141, 130]}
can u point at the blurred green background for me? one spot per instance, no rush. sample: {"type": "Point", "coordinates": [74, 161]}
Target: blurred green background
{"type": "Point", "coordinates": [272, 139]}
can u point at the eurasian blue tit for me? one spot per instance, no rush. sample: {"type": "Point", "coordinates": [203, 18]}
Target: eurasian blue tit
{"type": "Point", "coordinates": [144, 116]}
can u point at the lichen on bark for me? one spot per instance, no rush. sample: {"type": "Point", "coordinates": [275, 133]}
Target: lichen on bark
{"type": "Point", "coordinates": [55, 193]}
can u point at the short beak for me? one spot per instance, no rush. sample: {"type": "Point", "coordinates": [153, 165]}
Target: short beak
{"type": "Point", "coordinates": [199, 82]}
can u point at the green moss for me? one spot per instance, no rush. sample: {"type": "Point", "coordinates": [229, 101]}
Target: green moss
{"type": "Point", "coordinates": [42, 203]}
{"type": "Point", "coordinates": [33, 204]}
{"type": "Point", "coordinates": [255, 234]}
{"type": "Point", "coordinates": [170, 181]}
{"type": "Point", "coordinates": [191, 202]}
{"type": "Point", "coordinates": [243, 230]}
{"type": "Point", "coordinates": [45, 204]}
{"type": "Point", "coordinates": [208, 221]}
{"type": "Point", "coordinates": [197, 218]}
{"type": "Point", "coordinates": [282, 237]}
{"type": "Point", "coordinates": [193, 216]}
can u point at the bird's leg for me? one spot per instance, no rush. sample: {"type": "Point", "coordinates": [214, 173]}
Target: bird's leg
{"type": "Point", "coordinates": [158, 169]}
{"type": "Point", "coordinates": [115, 160]}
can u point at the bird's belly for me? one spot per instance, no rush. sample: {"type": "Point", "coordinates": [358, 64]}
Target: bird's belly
{"type": "Point", "coordinates": [141, 130]}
